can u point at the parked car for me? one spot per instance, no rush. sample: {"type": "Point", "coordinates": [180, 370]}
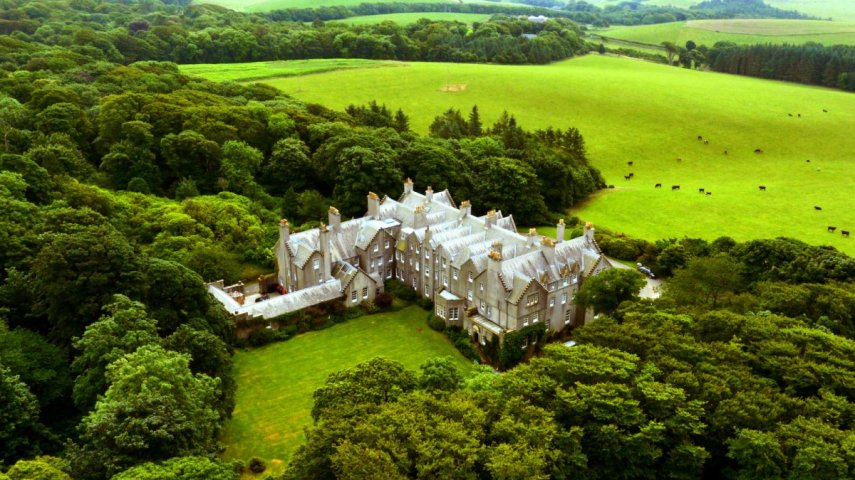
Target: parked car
{"type": "Point", "coordinates": [281, 289]}
{"type": "Point", "coordinates": [646, 271]}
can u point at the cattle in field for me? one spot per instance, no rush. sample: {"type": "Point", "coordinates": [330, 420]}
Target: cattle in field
{"type": "Point", "coordinates": [706, 142]}
{"type": "Point", "coordinates": [629, 163]}
{"type": "Point", "coordinates": [845, 233]}
{"type": "Point", "coordinates": [762, 188]}
{"type": "Point", "coordinates": [758, 151]}
{"type": "Point", "coordinates": [700, 137]}
{"type": "Point", "coordinates": [658, 185]}
{"type": "Point", "coordinates": [807, 161]}
{"type": "Point", "coordinates": [679, 159]}
{"type": "Point", "coordinates": [700, 190]}
{"type": "Point", "coordinates": [725, 152]}
{"type": "Point", "coordinates": [789, 114]}
{"type": "Point", "coordinates": [800, 115]}
{"type": "Point", "coordinates": [824, 111]}
{"type": "Point", "coordinates": [831, 229]}
{"type": "Point", "coordinates": [817, 207]}
{"type": "Point", "coordinates": [631, 175]}
{"type": "Point", "coordinates": [709, 193]}
{"type": "Point", "coordinates": [675, 187]}
{"type": "Point", "coordinates": [627, 177]}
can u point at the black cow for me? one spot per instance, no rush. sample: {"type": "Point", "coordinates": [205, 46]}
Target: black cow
{"type": "Point", "coordinates": [817, 207]}
{"type": "Point", "coordinates": [800, 115]}
{"type": "Point", "coordinates": [700, 190]}
{"type": "Point", "coordinates": [709, 193]}
{"type": "Point", "coordinates": [627, 177]}
{"type": "Point", "coordinates": [824, 110]}
{"type": "Point", "coordinates": [808, 161]}
{"type": "Point", "coordinates": [700, 137]}
{"type": "Point", "coordinates": [789, 114]}
{"type": "Point", "coordinates": [725, 152]}
{"type": "Point", "coordinates": [658, 185]}
{"type": "Point", "coordinates": [679, 159]}
{"type": "Point", "coordinates": [675, 187]}
{"type": "Point", "coordinates": [832, 229]}
{"type": "Point", "coordinates": [758, 151]}
{"type": "Point", "coordinates": [629, 163]}
{"type": "Point", "coordinates": [762, 188]}
{"type": "Point", "coordinates": [845, 233]}
{"type": "Point", "coordinates": [706, 142]}
{"type": "Point", "coordinates": [631, 175]}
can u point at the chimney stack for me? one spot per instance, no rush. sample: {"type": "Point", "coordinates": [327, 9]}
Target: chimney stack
{"type": "Point", "coordinates": [589, 233]}
{"type": "Point", "coordinates": [548, 249]}
{"type": "Point", "coordinates": [373, 206]}
{"type": "Point", "coordinates": [324, 240]}
{"type": "Point", "coordinates": [408, 186]}
{"type": "Point", "coordinates": [420, 217]}
{"type": "Point", "coordinates": [532, 238]}
{"type": "Point", "coordinates": [283, 258]}
{"type": "Point", "coordinates": [429, 194]}
{"type": "Point", "coordinates": [334, 219]}
{"type": "Point", "coordinates": [490, 219]}
{"type": "Point", "coordinates": [559, 231]}
{"type": "Point", "coordinates": [465, 209]}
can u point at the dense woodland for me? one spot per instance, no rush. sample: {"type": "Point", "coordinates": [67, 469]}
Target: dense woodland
{"type": "Point", "coordinates": [814, 64]}
{"type": "Point", "coordinates": [124, 185]}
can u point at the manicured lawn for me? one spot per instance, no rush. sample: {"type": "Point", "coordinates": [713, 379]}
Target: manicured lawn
{"type": "Point", "coordinates": [651, 114]}
{"type": "Point", "coordinates": [740, 31]}
{"type": "Point", "coordinates": [276, 382]}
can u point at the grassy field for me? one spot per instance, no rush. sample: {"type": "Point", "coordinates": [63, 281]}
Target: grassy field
{"type": "Point", "coordinates": [708, 32]}
{"type": "Point", "coordinates": [651, 114]}
{"type": "Point", "coordinates": [276, 382]}
{"type": "Point", "coordinates": [266, 5]}
{"type": "Point", "coordinates": [408, 18]}
{"type": "Point", "coordinates": [228, 72]}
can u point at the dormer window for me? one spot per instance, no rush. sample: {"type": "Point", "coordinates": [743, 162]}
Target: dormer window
{"type": "Point", "coordinates": [316, 264]}
{"type": "Point", "coordinates": [532, 300]}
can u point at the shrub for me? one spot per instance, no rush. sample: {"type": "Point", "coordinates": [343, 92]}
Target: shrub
{"type": "Point", "coordinates": [264, 336]}
{"type": "Point", "coordinates": [256, 465]}
{"type": "Point", "coordinates": [425, 303]}
{"type": "Point", "coordinates": [435, 323]}
{"type": "Point", "coordinates": [368, 307]}
{"type": "Point", "coordinates": [383, 300]}
{"type": "Point", "coordinates": [400, 290]}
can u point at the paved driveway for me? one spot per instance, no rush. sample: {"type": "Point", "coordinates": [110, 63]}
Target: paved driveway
{"type": "Point", "coordinates": [653, 287]}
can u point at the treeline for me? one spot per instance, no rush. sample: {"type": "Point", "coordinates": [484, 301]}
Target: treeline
{"type": "Point", "coordinates": [58, 34]}
{"type": "Point", "coordinates": [813, 64]}
{"type": "Point", "coordinates": [623, 13]}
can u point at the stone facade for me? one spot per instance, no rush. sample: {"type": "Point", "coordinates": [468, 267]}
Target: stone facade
{"type": "Point", "coordinates": [481, 274]}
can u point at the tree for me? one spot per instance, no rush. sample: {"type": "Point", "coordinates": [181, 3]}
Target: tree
{"type": "Point", "coordinates": [40, 468]}
{"type": "Point", "coordinates": [19, 418]}
{"type": "Point", "coordinates": [40, 365]}
{"type": "Point", "coordinates": [440, 375]}
{"type": "Point", "coordinates": [605, 291]}
{"type": "Point", "coordinates": [671, 51]}
{"type": "Point", "coordinates": [705, 281]}
{"type": "Point", "coordinates": [209, 355]}
{"type": "Point", "coordinates": [182, 468]}
{"type": "Point", "coordinates": [124, 327]}
{"type": "Point", "coordinates": [289, 166]}
{"type": "Point", "coordinates": [375, 381]}
{"type": "Point", "coordinates": [174, 294]}
{"type": "Point", "coordinates": [190, 155]}
{"type": "Point", "coordinates": [12, 116]}
{"type": "Point", "coordinates": [364, 171]}
{"type": "Point", "coordinates": [153, 410]}
{"type": "Point", "coordinates": [474, 127]}
{"type": "Point", "coordinates": [511, 186]}
{"type": "Point", "coordinates": [240, 163]}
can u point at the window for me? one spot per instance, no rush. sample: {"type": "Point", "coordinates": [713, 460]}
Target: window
{"type": "Point", "coordinates": [469, 277]}
{"type": "Point", "coordinates": [372, 264]}
{"type": "Point", "coordinates": [364, 292]}
{"type": "Point", "coordinates": [535, 317]}
{"type": "Point", "coordinates": [414, 281]}
{"type": "Point", "coordinates": [483, 305]}
{"type": "Point", "coordinates": [427, 254]}
{"type": "Point", "coordinates": [567, 317]}
{"type": "Point", "coordinates": [427, 290]}
{"type": "Point", "coordinates": [389, 260]}
{"type": "Point", "coordinates": [525, 344]}
{"type": "Point", "coordinates": [418, 265]}
{"type": "Point", "coordinates": [440, 311]}
{"type": "Point", "coordinates": [317, 264]}
{"type": "Point", "coordinates": [453, 313]}
{"type": "Point", "coordinates": [389, 273]}
{"type": "Point", "coordinates": [525, 320]}
{"type": "Point", "coordinates": [565, 282]}
{"type": "Point", "coordinates": [443, 263]}
{"type": "Point", "coordinates": [489, 311]}
{"type": "Point", "coordinates": [532, 300]}
{"type": "Point", "coordinates": [563, 298]}
{"type": "Point", "coordinates": [376, 247]}
{"type": "Point", "coordinates": [427, 271]}
{"type": "Point", "coordinates": [551, 302]}
{"type": "Point", "coordinates": [387, 245]}
{"type": "Point", "coordinates": [469, 294]}
{"type": "Point", "coordinates": [455, 272]}
{"type": "Point", "coordinates": [418, 250]}
{"type": "Point", "coordinates": [445, 279]}
{"type": "Point", "coordinates": [353, 296]}
{"type": "Point", "coordinates": [481, 286]}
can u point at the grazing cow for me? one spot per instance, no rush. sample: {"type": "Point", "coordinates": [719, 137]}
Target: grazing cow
{"type": "Point", "coordinates": [679, 159]}
{"type": "Point", "coordinates": [800, 115]}
{"type": "Point", "coordinates": [700, 190]}
{"type": "Point", "coordinates": [762, 188]}
{"type": "Point", "coordinates": [626, 177]}
{"type": "Point", "coordinates": [845, 233]}
{"type": "Point", "coordinates": [700, 138]}
{"type": "Point", "coordinates": [824, 111]}
{"type": "Point", "coordinates": [725, 152]}
{"type": "Point", "coordinates": [807, 161]}
{"type": "Point", "coordinates": [817, 207]}
{"type": "Point", "coordinates": [611, 186]}
{"type": "Point", "coordinates": [658, 185]}
{"type": "Point", "coordinates": [758, 151]}
{"type": "Point", "coordinates": [675, 187]}
{"type": "Point", "coordinates": [706, 142]}
{"type": "Point", "coordinates": [631, 175]}
{"type": "Point", "coordinates": [709, 193]}
{"type": "Point", "coordinates": [789, 114]}
{"type": "Point", "coordinates": [831, 229]}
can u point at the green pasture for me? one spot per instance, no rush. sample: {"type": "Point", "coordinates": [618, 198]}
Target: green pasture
{"type": "Point", "coordinates": [740, 31]}
{"type": "Point", "coordinates": [267, 5]}
{"type": "Point", "coordinates": [409, 18]}
{"type": "Point", "coordinates": [276, 382]}
{"type": "Point", "coordinates": [630, 110]}
{"type": "Point", "coordinates": [230, 72]}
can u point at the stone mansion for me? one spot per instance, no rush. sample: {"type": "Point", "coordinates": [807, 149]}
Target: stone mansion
{"type": "Point", "coordinates": [480, 273]}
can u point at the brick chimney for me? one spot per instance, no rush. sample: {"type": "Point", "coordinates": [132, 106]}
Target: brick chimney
{"type": "Point", "coordinates": [373, 206]}
{"type": "Point", "coordinates": [334, 218]}
{"type": "Point", "coordinates": [559, 231]}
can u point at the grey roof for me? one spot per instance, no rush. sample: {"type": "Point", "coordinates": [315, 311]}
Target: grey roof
{"type": "Point", "coordinates": [290, 302]}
